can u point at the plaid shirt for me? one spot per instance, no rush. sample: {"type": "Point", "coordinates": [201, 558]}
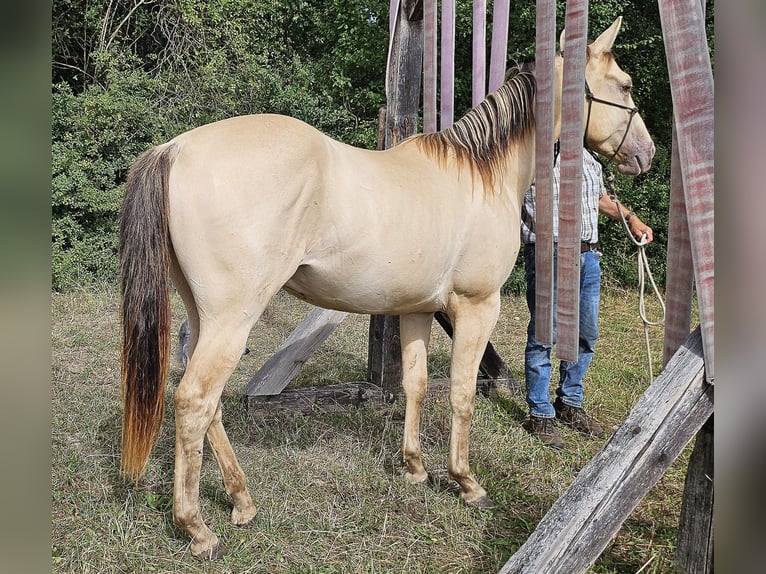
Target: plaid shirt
{"type": "Point", "coordinates": [592, 190]}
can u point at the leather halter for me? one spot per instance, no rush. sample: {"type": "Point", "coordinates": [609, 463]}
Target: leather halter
{"type": "Point", "coordinates": [591, 99]}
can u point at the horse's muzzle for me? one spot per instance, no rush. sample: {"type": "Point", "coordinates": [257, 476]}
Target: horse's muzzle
{"type": "Point", "coordinates": [637, 162]}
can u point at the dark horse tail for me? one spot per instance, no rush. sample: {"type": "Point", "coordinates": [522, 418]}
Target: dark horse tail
{"type": "Point", "coordinates": [144, 266]}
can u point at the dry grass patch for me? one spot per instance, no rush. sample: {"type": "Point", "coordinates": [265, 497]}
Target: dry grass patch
{"type": "Point", "coordinates": [329, 486]}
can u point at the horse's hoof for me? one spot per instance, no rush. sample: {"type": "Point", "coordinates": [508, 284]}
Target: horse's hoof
{"type": "Point", "coordinates": [214, 553]}
{"type": "Point", "coordinates": [483, 502]}
{"type": "Point", "coordinates": [419, 478]}
{"type": "Point", "coordinates": [240, 517]}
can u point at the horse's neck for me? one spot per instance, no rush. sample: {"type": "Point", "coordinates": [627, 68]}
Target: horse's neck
{"type": "Point", "coordinates": [519, 170]}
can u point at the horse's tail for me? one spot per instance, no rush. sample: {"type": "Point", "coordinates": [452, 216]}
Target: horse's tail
{"type": "Point", "coordinates": [144, 265]}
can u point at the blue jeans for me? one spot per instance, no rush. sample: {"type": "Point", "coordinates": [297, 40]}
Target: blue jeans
{"type": "Point", "coordinates": [537, 355]}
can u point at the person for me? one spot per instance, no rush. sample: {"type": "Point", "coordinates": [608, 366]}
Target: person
{"type": "Point", "coordinates": [568, 405]}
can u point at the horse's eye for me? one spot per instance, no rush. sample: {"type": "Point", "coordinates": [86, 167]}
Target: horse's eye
{"type": "Point", "coordinates": [627, 88]}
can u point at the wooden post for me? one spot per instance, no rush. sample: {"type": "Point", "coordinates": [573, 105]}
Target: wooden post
{"type": "Point", "coordinates": [405, 65]}
{"type": "Point", "coordinates": [694, 543]}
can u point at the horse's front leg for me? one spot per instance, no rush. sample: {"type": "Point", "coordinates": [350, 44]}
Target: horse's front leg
{"type": "Point", "coordinates": [415, 332]}
{"type": "Point", "coordinates": [473, 321]}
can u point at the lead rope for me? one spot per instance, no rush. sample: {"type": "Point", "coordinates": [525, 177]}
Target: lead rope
{"type": "Point", "coordinates": [644, 269]}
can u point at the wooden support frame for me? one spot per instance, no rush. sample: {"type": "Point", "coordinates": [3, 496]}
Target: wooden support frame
{"type": "Point", "coordinates": [585, 518]}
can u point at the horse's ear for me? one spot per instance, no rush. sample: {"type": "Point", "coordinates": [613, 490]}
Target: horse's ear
{"type": "Point", "coordinates": [605, 41]}
{"type": "Point", "coordinates": [562, 38]}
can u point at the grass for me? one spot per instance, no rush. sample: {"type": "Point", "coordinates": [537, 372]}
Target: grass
{"type": "Point", "coordinates": [329, 487]}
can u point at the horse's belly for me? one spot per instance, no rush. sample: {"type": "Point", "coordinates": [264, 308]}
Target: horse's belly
{"type": "Point", "coordinates": [362, 291]}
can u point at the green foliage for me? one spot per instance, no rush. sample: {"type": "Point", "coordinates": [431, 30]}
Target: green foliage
{"type": "Point", "coordinates": [128, 76]}
{"type": "Point", "coordinates": [125, 82]}
{"type": "Point", "coordinates": [96, 136]}
{"type": "Point", "coordinates": [649, 196]}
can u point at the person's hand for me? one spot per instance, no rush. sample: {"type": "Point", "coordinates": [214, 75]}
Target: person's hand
{"type": "Point", "coordinates": [639, 229]}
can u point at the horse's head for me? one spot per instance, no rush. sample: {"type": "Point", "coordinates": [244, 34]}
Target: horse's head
{"type": "Point", "coordinates": [612, 125]}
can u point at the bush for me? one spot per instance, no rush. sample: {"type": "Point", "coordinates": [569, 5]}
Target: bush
{"type": "Point", "coordinates": [96, 136]}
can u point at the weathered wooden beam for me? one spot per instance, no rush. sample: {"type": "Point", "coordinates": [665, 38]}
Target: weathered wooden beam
{"type": "Point", "coordinates": [405, 66]}
{"type": "Point", "coordinates": [500, 16]}
{"type": "Point", "coordinates": [545, 75]}
{"type": "Point", "coordinates": [283, 365]}
{"type": "Point", "coordinates": [338, 398]}
{"type": "Point", "coordinates": [694, 544]}
{"type": "Point", "coordinates": [570, 189]}
{"type": "Point", "coordinates": [692, 88]}
{"type": "Point", "coordinates": [580, 524]}
{"type": "Point", "coordinates": [414, 9]}
{"type": "Point", "coordinates": [447, 75]}
{"type": "Point", "coordinates": [330, 398]}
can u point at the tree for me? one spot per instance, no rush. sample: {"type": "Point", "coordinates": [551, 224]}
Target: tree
{"type": "Point", "coordinates": [127, 75]}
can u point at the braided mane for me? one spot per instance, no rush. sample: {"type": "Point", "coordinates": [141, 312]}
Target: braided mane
{"type": "Point", "coordinates": [482, 138]}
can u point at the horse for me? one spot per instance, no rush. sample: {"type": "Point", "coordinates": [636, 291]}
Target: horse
{"type": "Point", "coordinates": [235, 210]}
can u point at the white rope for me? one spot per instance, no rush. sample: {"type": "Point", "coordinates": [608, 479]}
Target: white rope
{"type": "Point", "coordinates": [644, 270]}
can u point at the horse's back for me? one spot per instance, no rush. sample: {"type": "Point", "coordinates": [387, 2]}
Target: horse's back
{"type": "Point", "coordinates": [253, 140]}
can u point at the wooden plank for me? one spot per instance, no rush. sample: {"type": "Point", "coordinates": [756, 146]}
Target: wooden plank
{"type": "Point", "coordinates": [282, 367]}
{"type": "Point", "coordinates": [447, 78]}
{"type": "Point", "coordinates": [691, 85]}
{"type": "Point", "coordinates": [679, 278]}
{"type": "Point", "coordinates": [570, 189]}
{"type": "Point", "coordinates": [330, 398]}
{"type": "Point", "coordinates": [586, 517]}
{"type": "Point", "coordinates": [341, 397]}
{"type": "Point", "coordinates": [545, 53]}
{"type": "Point", "coordinates": [429, 66]}
{"type": "Point", "coordinates": [694, 544]}
{"type": "Point", "coordinates": [479, 52]}
{"type": "Point", "coordinates": [500, 15]}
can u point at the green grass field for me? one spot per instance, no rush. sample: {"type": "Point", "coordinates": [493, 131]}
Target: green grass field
{"type": "Point", "coordinates": [329, 486]}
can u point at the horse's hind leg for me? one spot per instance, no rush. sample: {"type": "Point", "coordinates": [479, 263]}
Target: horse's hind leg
{"type": "Point", "coordinates": [197, 401]}
{"type": "Point", "coordinates": [474, 321]}
{"type": "Point", "coordinates": [233, 476]}
{"type": "Point", "coordinates": [415, 332]}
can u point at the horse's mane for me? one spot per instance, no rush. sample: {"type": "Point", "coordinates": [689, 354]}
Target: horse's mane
{"type": "Point", "coordinates": [483, 137]}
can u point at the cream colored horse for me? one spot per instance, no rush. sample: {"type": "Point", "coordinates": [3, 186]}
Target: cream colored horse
{"type": "Point", "coordinates": [238, 209]}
